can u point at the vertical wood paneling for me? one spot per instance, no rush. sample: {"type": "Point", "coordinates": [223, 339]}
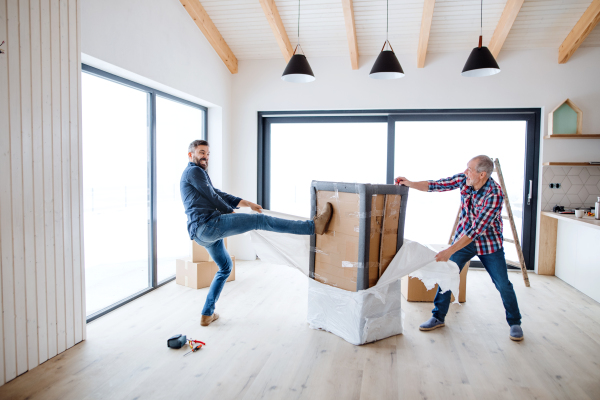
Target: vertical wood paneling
{"type": "Point", "coordinates": [48, 179]}
{"type": "Point", "coordinates": [38, 179]}
{"type": "Point", "coordinates": [28, 193]}
{"type": "Point", "coordinates": [59, 287]}
{"type": "Point", "coordinates": [74, 173]}
{"type": "Point", "coordinates": [79, 127]}
{"type": "Point", "coordinates": [16, 172]}
{"type": "Point", "coordinates": [41, 260]}
{"type": "Point", "coordinates": [66, 169]}
{"type": "Point", "coordinates": [7, 318]}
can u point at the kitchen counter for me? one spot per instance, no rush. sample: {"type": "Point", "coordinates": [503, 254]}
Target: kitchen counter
{"type": "Point", "coordinates": [588, 221]}
{"type": "Point", "coordinates": [568, 250]}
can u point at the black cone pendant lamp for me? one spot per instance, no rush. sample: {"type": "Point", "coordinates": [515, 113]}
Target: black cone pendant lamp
{"type": "Point", "coordinates": [298, 70]}
{"type": "Point", "coordinates": [386, 65]}
{"type": "Point", "coordinates": [481, 62]}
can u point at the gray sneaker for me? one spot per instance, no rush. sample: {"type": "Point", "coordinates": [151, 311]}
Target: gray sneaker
{"type": "Point", "coordinates": [431, 324]}
{"type": "Point", "coordinates": [516, 333]}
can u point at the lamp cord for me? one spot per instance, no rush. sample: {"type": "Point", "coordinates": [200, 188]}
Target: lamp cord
{"type": "Point", "coordinates": [387, 19]}
{"type": "Point", "coordinates": [299, 23]}
{"type": "Point", "coordinates": [481, 20]}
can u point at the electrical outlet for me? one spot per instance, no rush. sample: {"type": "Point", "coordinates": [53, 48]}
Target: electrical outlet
{"type": "Point", "coordinates": [554, 185]}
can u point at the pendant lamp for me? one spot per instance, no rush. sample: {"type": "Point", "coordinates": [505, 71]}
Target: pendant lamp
{"type": "Point", "coordinates": [298, 70]}
{"type": "Point", "coordinates": [481, 62]}
{"type": "Point", "coordinates": [386, 65]}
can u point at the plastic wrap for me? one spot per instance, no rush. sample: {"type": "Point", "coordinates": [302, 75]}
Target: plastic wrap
{"type": "Point", "coordinates": [366, 315]}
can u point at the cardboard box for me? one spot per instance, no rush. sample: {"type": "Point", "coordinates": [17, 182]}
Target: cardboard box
{"type": "Point", "coordinates": [414, 290]}
{"type": "Point", "coordinates": [199, 253]}
{"type": "Point", "coordinates": [198, 275]}
{"type": "Point", "coordinates": [359, 242]}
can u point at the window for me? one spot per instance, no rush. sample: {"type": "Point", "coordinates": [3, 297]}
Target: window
{"type": "Point", "coordinates": [135, 142]}
{"type": "Point", "coordinates": [334, 151]}
{"type": "Point", "coordinates": [177, 125]}
{"type": "Point", "coordinates": [374, 146]}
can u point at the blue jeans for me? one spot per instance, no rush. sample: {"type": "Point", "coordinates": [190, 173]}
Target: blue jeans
{"type": "Point", "coordinates": [495, 265]}
{"type": "Point", "coordinates": [211, 234]}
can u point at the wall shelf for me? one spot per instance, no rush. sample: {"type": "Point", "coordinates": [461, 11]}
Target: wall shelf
{"type": "Point", "coordinates": [572, 164]}
{"type": "Point", "coordinates": [572, 136]}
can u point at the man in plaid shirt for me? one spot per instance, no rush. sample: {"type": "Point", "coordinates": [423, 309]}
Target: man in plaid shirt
{"type": "Point", "coordinates": [479, 232]}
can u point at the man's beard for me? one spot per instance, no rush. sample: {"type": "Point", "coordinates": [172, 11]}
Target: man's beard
{"type": "Point", "coordinates": [197, 160]}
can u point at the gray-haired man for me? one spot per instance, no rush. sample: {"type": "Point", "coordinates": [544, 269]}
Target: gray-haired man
{"type": "Point", "coordinates": [479, 232]}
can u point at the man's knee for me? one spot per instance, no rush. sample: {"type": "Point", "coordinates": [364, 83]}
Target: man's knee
{"type": "Point", "coordinates": [226, 269]}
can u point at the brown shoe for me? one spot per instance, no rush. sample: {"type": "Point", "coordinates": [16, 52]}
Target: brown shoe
{"type": "Point", "coordinates": [322, 220]}
{"type": "Point", "coordinates": [208, 319]}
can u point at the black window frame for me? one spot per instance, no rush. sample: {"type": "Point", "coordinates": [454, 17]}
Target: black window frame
{"type": "Point", "coordinates": [152, 94]}
{"type": "Point", "coordinates": [532, 117]}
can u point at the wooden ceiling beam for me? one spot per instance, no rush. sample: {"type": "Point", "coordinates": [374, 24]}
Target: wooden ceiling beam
{"type": "Point", "coordinates": [277, 27]}
{"type": "Point", "coordinates": [210, 31]}
{"type": "Point", "coordinates": [580, 31]}
{"type": "Point", "coordinates": [428, 7]}
{"type": "Point", "coordinates": [507, 19]}
{"type": "Point", "coordinates": [351, 32]}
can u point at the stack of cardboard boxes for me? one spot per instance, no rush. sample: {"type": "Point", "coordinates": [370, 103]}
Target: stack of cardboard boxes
{"type": "Point", "coordinates": [198, 271]}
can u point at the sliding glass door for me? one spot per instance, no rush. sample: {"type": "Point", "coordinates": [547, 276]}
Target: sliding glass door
{"type": "Point", "coordinates": [115, 191]}
{"type": "Point", "coordinates": [336, 150]}
{"type": "Point", "coordinates": [135, 142]}
{"type": "Point", "coordinates": [374, 146]}
{"type": "Point", "coordinates": [431, 150]}
{"type": "Point", "coordinates": [177, 125]}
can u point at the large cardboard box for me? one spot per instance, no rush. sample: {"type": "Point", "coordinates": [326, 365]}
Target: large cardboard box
{"type": "Point", "coordinates": [414, 290]}
{"type": "Point", "coordinates": [198, 275]}
{"type": "Point", "coordinates": [199, 253]}
{"type": "Point", "coordinates": [359, 243]}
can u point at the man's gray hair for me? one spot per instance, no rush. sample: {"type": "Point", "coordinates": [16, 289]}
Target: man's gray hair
{"type": "Point", "coordinates": [196, 143]}
{"type": "Point", "coordinates": [484, 164]}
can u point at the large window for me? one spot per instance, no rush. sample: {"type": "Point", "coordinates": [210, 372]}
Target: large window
{"type": "Point", "coordinates": [135, 142]}
{"type": "Point", "coordinates": [334, 151]}
{"type": "Point", "coordinates": [298, 147]}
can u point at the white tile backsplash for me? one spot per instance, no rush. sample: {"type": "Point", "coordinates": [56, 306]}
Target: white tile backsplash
{"type": "Point", "coordinates": [580, 186]}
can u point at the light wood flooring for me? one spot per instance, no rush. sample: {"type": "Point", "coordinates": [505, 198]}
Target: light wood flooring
{"type": "Point", "coordinates": [262, 347]}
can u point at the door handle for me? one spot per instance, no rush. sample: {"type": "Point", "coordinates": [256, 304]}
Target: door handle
{"type": "Point", "coordinates": [530, 192]}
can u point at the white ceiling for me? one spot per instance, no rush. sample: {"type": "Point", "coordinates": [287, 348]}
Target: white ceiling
{"type": "Point", "coordinates": [455, 27]}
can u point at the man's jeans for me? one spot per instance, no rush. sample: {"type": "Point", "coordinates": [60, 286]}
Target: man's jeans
{"type": "Point", "coordinates": [495, 265]}
{"type": "Point", "coordinates": [211, 234]}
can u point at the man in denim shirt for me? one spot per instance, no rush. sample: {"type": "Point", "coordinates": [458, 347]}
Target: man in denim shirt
{"type": "Point", "coordinates": [211, 217]}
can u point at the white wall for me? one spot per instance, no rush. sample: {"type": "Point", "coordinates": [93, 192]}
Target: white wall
{"type": "Point", "coordinates": [528, 79]}
{"type": "Point", "coordinates": [156, 42]}
{"type": "Point", "coordinates": [41, 243]}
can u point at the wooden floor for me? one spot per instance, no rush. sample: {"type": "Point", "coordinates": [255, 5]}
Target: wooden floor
{"type": "Point", "coordinates": [262, 347]}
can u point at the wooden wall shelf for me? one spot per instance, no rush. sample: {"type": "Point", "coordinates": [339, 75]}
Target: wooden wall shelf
{"type": "Point", "coordinates": [572, 164]}
{"type": "Point", "coordinates": [572, 136]}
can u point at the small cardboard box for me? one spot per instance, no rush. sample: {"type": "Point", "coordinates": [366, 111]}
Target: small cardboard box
{"type": "Point", "coordinates": [198, 275]}
{"type": "Point", "coordinates": [200, 254]}
{"type": "Point", "coordinates": [414, 290]}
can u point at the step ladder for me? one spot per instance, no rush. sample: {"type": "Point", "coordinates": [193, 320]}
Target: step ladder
{"type": "Point", "coordinates": [509, 217]}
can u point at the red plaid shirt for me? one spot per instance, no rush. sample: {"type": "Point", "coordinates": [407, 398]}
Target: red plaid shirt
{"type": "Point", "coordinates": [481, 212]}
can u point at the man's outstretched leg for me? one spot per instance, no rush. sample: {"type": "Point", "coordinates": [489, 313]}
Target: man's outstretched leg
{"type": "Point", "coordinates": [213, 232]}
{"type": "Point", "coordinates": [218, 253]}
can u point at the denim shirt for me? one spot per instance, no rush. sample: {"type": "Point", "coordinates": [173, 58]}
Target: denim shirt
{"type": "Point", "coordinates": [201, 200]}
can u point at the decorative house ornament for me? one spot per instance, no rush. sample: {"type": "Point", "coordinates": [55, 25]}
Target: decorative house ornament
{"type": "Point", "coordinates": [481, 62]}
{"type": "Point", "coordinates": [565, 119]}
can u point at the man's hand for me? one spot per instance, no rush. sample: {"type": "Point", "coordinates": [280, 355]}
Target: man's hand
{"type": "Point", "coordinates": [422, 186]}
{"type": "Point", "coordinates": [253, 206]}
{"type": "Point", "coordinates": [402, 181]}
{"type": "Point", "coordinates": [443, 255]}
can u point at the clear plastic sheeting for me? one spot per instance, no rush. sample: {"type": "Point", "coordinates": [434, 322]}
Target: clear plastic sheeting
{"type": "Point", "coordinates": [367, 315]}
